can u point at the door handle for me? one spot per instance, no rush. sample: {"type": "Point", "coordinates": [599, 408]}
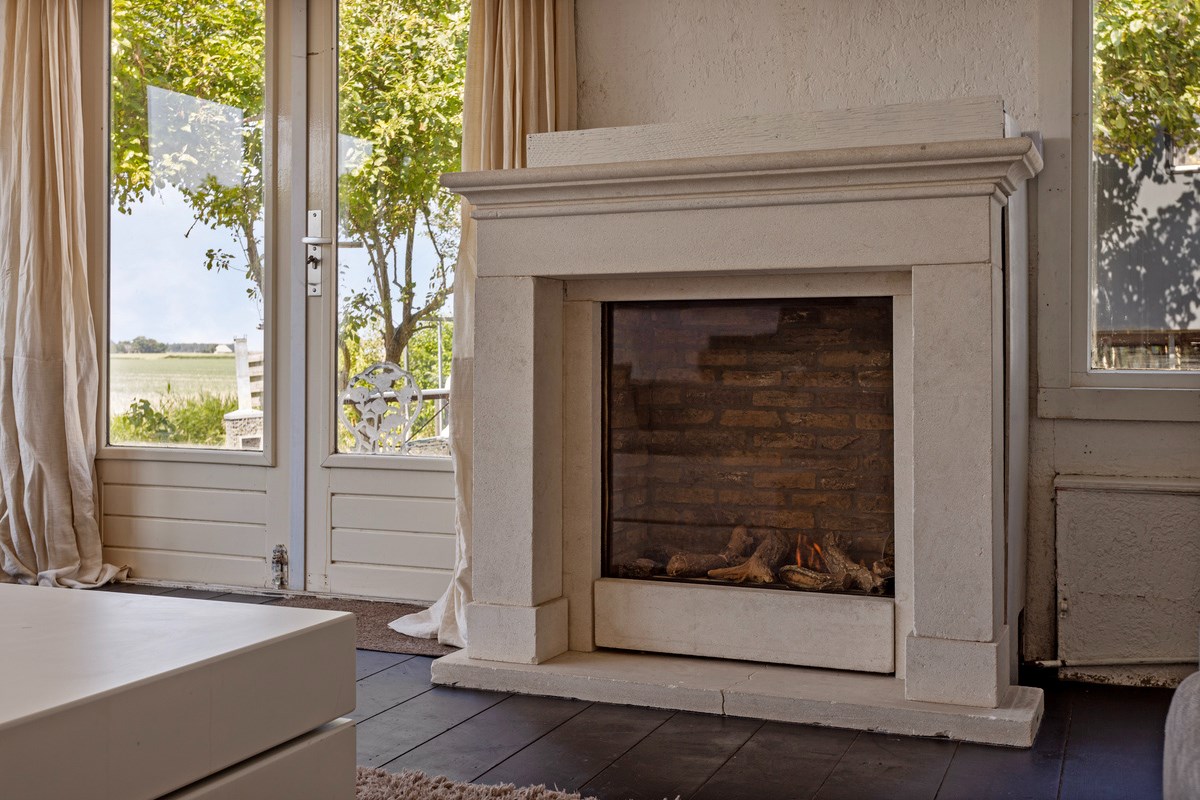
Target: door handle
{"type": "Point", "coordinates": [313, 242]}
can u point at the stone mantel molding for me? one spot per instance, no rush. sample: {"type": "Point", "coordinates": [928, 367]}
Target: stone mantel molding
{"type": "Point", "coordinates": [990, 168]}
{"type": "Point", "coordinates": [920, 222]}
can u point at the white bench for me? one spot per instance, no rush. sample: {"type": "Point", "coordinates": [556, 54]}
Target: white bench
{"type": "Point", "coordinates": [115, 696]}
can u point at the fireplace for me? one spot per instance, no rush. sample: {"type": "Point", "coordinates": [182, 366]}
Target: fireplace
{"type": "Point", "coordinates": [749, 442]}
{"type": "Point", "coordinates": [701, 349]}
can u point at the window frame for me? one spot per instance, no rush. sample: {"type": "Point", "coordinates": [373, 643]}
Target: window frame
{"type": "Point", "coordinates": [95, 32]}
{"type": "Point", "coordinates": [1067, 387]}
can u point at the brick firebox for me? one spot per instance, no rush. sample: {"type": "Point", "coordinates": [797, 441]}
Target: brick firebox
{"type": "Point", "coordinates": [773, 414]}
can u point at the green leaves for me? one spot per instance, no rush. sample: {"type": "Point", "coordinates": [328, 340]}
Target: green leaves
{"type": "Point", "coordinates": [208, 56]}
{"type": "Point", "coordinates": [1145, 75]}
{"type": "Point", "coordinates": [402, 65]}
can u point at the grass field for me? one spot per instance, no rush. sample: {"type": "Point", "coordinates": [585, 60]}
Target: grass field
{"type": "Point", "coordinates": [146, 376]}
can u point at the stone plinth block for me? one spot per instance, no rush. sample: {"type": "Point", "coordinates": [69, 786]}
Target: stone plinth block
{"type": "Point", "coordinates": [951, 671]}
{"type": "Point", "coordinates": [517, 634]}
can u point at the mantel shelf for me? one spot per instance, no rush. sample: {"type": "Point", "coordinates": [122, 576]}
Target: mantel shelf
{"type": "Point", "coordinates": [944, 169]}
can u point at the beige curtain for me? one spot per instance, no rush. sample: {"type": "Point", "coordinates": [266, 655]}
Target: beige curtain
{"type": "Point", "coordinates": [48, 376]}
{"type": "Point", "coordinates": [520, 80]}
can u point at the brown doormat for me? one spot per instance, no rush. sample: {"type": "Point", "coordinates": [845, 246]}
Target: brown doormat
{"type": "Point", "coordinates": [375, 784]}
{"type": "Point", "coordinates": [373, 618]}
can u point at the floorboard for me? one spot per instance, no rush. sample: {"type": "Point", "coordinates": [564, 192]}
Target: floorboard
{"type": "Point", "coordinates": [470, 749]}
{"type": "Point", "coordinates": [252, 599]}
{"type": "Point", "coordinates": [896, 767]}
{"type": "Point", "coordinates": [193, 594]}
{"type": "Point", "coordinates": [392, 733]}
{"type": "Point", "coordinates": [675, 760]}
{"type": "Point", "coordinates": [391, 686]}
{"type": "Point", "coordinates": [368, 662]}
{"type": "Point", "coordinates": [779, 760]}
{"type": "Point", "coordinates": [135, 588]}
{"type": "Point", "coordinates": [1013, 774]}
{"type": "Point", "coordinates": [1115, 744]}
{"type": "Point", "coordinates": [579, 749]}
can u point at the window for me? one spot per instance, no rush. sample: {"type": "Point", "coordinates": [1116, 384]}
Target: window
{"type": "Point", "coordinates": [1118, 285]}
{"type": "Point", "coordinates": [401, 68]}
{"type": "Point", "coordinates": [1144, 276]}
{"type": "Point", "coordinates": [186, 224]}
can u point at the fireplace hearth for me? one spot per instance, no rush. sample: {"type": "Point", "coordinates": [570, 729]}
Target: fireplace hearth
{"type": "Point", "coordinates": [750, 421]}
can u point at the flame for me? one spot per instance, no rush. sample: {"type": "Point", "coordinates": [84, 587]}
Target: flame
{"type": "Point", "coordinates": [809, 555]}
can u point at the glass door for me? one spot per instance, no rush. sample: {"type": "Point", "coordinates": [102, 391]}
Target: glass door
{"type": "Point", "coordinates": [385, 111]}
{"type": "Point", "coordinates": [191, 249]}
{"type": "Point", "coordinates": [276, 261]}
{"type": "Point", "coordinates": [187, 239]}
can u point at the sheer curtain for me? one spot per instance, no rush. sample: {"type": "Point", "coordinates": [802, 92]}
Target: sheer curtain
{"type": "Point", "coordinates": [48, 372]}
{"type": "Point", "coordinates": [520, 80]}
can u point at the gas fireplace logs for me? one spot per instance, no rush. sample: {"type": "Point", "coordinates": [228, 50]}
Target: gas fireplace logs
{"type": "Point", "coordinates": [824, 567]}
{"type": "Point", "coordinates": [760, 567]}
{"type": "Point", "coordinates": [697, 565]}
{"type": "Point", "coordinates": [842, 567]}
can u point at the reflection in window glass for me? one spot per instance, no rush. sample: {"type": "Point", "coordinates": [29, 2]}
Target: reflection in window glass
{"type": "Point", "coordinates": [1145, 276]}
{"type": "Point", "coordinates": [186, 248]}
{"type": "Point", "coordinates": [401, 65]}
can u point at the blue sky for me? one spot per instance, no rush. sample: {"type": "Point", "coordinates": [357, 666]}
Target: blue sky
{"type": "Point", "coordinates": [158, 284]}
{"type": "Point", "coordinates": [159, 288]}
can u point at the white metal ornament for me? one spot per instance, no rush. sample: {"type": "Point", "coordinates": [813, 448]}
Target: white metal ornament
{"type": "Point", "coordinates": [386, 400]}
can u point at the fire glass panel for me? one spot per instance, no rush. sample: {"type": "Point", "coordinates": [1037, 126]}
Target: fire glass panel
{"type": "Point", "coordinates": [750, 442]}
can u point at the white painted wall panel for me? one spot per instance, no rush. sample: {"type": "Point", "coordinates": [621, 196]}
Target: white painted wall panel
{"type": "Point", "coordinates": [195, 536]}
{"type": "Point", "coordinates": [397, 583]}
{"type": "Point", "coordinates": [398, 549]}
{"type": "Point", "coordinates": [414, 514]}
{"type": "Point", "coordinates": [192, 568]}
{"type": "Point", "coordinates": [182, 473]}
{"type": "Point", "coordinates": [186, 522]}
{"type": "Point", "coordinates": [390, 482]}
{"type": "Point", "coordinates": [1129, 569]}
{"type": "Point", "coordinates": [214, 505]}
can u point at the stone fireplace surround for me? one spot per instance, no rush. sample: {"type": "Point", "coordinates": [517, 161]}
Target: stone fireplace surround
{"type": "Point", "coordinates": [920, 203]}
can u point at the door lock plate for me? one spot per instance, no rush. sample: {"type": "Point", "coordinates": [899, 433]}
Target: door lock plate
{"type": "Point", "coordinates": [312, 259]}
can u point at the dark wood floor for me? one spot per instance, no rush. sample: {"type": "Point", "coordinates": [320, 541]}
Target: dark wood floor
{"type": "Point", "coordinates": [1096, 742]}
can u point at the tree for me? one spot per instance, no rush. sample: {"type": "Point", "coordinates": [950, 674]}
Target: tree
{"type": "Point", "coordinates": [212, 51]}
{"type": "Point", "coordinates": [402, 65]}
{"type": "Point", "coordinates": [1146, 95]}
{"type": "Point", "coordinates": [1146, 76]}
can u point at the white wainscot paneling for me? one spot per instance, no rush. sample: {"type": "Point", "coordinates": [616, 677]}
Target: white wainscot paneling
{"type": "Point", "coordinates": [186, 523]}
{"type": "Point", "coordinates": [1128, 568]}
{"type": "Point", "coordinates": [395, 547]}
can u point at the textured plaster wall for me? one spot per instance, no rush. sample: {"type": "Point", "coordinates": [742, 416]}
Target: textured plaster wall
{"type": "Point", "coordinates": [644, 61]}
{"type": "Point", "coordinates": [649, 61]}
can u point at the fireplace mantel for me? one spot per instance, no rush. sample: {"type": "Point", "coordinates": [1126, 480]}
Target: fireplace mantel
{"type": "Point", "coordinates": [930, 224]}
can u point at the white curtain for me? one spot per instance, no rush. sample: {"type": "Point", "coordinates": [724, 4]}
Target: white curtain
{"type": "Point", "coordinates": [520, 80]}
{"type": "Point", "coordinates": [48, 373]}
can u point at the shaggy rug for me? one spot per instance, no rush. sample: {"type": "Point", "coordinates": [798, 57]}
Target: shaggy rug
{"type": "Point", "coordinates": [375, 784]}
{"type": "Point", "coordinates": [373, 619]}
